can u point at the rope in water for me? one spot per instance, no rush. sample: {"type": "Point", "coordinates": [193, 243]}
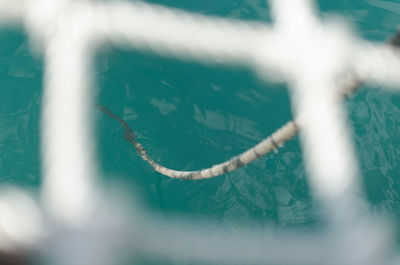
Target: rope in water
{"type": "Point", "coordinates": [272, 142]}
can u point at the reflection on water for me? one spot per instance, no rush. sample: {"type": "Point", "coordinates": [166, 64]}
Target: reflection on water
{"type": "Point", "coordinates": [20, 79]}
{"type": "Point", "coordinates": [387, 5]}
{"type": "Point", "coordinates": [232, 123]}
{"type": "Point", "coordinates": [376, 119]}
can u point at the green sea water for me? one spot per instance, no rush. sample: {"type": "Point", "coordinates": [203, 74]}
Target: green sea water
{"type": "Point", "coordinates": [190, 116]}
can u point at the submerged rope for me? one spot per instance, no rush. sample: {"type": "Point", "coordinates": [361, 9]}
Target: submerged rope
{"type": "Point", "coordinates": [276, 140]}
{"type": "Point", "coordinates": [273, 142]}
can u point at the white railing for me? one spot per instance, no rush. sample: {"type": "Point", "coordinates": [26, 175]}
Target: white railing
{"type": "Point", "coordinates": [75, 220]}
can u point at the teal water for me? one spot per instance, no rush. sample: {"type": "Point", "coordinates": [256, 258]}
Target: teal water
{"type": "Point", "coordinates": [190, 116]}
